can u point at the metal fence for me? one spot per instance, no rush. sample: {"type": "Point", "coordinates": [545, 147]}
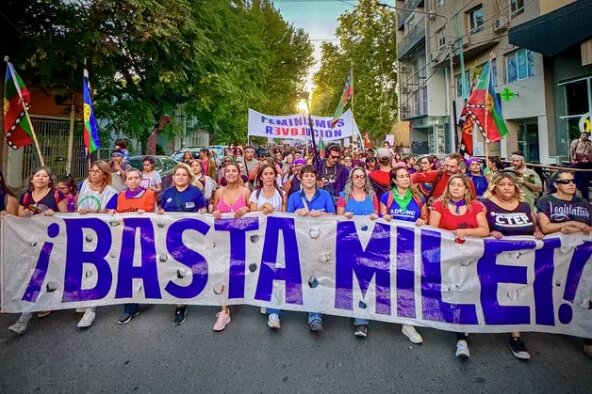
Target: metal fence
{"type": "Point", "coordinates": [53, 140]}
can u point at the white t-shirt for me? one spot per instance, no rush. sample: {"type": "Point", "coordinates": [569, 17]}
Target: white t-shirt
{"type": "Point", "coordinates": [275, 200]}
{"type": "Point", "coordinates": [99, 201]}
{"type": "Point", "coordinates": [150, 180]}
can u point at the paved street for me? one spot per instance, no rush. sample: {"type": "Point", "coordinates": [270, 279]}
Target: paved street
{"type": "Point", "coordinates": [151, 355]}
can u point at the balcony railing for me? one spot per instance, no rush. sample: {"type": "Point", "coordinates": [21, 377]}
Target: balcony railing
{"type": "Point", "coordinates": [403, 14]}
{"type": "Point", "coordinates": [413, 37]}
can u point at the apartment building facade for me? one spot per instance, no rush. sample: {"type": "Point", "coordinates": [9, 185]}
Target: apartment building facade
{"type": "Point", "coordinates": [537, 88]}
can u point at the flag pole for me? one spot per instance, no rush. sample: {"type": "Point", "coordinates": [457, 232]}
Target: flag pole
{"type": "Point", "coordinates": [18, 89]}
{"type": "Point", "coordinates": [486, 110]}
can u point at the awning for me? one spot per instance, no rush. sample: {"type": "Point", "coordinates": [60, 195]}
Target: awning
{"type": "Point", "coordinates": [553, 33]}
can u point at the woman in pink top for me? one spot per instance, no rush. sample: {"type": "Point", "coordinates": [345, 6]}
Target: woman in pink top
{"type": "Point", "coordinates": [232, 198]}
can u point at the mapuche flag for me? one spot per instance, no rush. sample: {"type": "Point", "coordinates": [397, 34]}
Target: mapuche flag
{"type": "Point", "coordinates": [92, 141]}
{"type": "Point", "coordinates": [467, 135]}
{"type": "Point", "coordinates": [484, 109]}
{"type": "Point", "coordinates": [348, 92]}
{"type": "Point", "coordinates": [17, 99]}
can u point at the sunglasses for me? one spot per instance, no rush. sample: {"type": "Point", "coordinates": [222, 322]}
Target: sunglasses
{"type": "Point", "coordinates": [359, 176]}
{"type": "Point", "coordinates": [565, 181]}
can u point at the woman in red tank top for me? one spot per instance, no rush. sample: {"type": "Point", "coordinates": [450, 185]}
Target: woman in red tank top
{"type": "Point", "coordinates": [460, 213]}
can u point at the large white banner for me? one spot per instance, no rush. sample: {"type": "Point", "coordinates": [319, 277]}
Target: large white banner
{"type": "Point", "coordinates": [393, 272]}
{"type": "Point", "coordinates": [296, 126]}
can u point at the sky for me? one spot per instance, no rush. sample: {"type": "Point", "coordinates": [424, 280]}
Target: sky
{"type": "Point", "coordinates": [318, 18]}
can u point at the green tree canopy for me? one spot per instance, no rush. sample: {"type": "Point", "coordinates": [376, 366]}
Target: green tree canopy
{"type": "Point", "coordinates": [146, 57]}
{"type": "Point", "coordinates": [367, 42]}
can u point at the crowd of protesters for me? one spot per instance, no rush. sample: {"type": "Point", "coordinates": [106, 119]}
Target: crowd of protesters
{"type": "Point", "coordinates": [467, 197]}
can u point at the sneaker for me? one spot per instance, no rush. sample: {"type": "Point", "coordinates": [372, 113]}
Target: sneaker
{"type": "Point", "coordinates": [361, 331]}
{"type": "Point", "coordinates": [316, 326]}
{"type": "Point", "coordinates": [222, 321]}
{"type": "Point", "coordinates": [462, 350]}
{"type": "Point", "coordinates": [127, 317]}
{"type": "Point", "coordinates": [518, 349]}
{"type": "Point", "coordinates": [180, 315]}
{"type": "Point", "coordinates": [411, 333]}
{"type": "Point", "coordinates": [87, 319]}
{"type": "Point", "coordinates": [273, 321]}
{"type": "Point", "coordinates": [21, 324]}
{"type": "Point", "coordinates": [263, 310]}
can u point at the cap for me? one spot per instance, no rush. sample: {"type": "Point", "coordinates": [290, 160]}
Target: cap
{"type": "Point", "coordinates": [383, 153]}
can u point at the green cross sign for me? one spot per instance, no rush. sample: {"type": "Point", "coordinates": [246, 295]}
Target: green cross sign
{"type": "Point", "coordinates": [508, 95]}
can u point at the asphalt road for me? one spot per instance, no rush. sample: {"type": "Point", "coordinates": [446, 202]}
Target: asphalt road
{"type": "Point", "coordinates": [151, 355]}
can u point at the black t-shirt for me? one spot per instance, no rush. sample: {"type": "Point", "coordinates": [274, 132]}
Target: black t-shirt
{"type": "Point", "coordinates": [515, 222]}
{"type": "Point", "coordinates": [560, 211]}
{"type": "Point", "coordinates": [49, 201]}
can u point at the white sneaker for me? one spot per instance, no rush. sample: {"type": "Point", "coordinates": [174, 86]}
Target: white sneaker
{"type": "Point", "coordinates": [411, 333]}
{"type": "Point", "coordinates": [21, 324]}
{"type": "Point", "coordinates": [273, 321]}
{"type": "Point", "coordinates": [462, 350]}
{"type": "Point", "coordinates": [263, 310]}
{"type": "Point", "coordinates": [87, 319]}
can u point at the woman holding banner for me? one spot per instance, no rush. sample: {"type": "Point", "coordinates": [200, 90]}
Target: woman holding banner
{"type": "Point", "coordinates": [268, 198]}
{"type": "Point", "coordinates": [96, 196]}
{"type": "Point", "coordinates": [182, 196]}
{"type": "Point", "coordinates": [207, 184]}
{"type": "Point", "coordinates": [507, 214]}
{"type": "Point", "coordinates": [43, 198]}
{"type": "Point", "coordinates": [358, 199]}
{"type": "Point", "coordinates": [313, 202]}
{"type": "Point", "coordinates": [231, 198]}
{"type": "Point", "coordinates": [406, 203]}
{"type": "Point", "coordinates": [458, 212]}
{"type": "Point", "coordinates": [564, 212]}
{"type": "Point", "coordinates": [134, 199]}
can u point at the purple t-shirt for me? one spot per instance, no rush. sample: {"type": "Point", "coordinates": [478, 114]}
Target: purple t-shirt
{"type": "Point", "coordinates": [515, 222]}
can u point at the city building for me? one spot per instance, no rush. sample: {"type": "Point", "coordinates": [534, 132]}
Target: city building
{"type": "Point", "coordinates": [540, 52]}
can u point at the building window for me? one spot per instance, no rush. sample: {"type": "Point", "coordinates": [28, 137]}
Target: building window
{"type": "Point", "coordinates": [476, 19]}
{"type": "Point", "coordinates": [441, 37]}
{"type": "Point", "coordinates": [516, 7]}
{"type": "Point", "coordinates": [578, 102]}
{"type": "Point", "coordinates": [459, 88]}
{"type": "Point", "coordinates": [520, 65]}
{"type": "Point", "coordinates": [439, 2]}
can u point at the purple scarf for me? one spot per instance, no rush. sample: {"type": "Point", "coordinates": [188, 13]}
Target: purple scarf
{"type": "Point", "coordinates": [129, 194]}
{"type": "Point", "coordinates": [458, 204]}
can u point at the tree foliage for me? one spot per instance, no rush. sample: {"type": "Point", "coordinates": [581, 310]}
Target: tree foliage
{"type": "Point", "coordinates": [367, 42]}
{"type": "Point", "coordinates": [216, 58]}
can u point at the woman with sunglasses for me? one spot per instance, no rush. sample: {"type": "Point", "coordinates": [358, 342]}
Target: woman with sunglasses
{"type": "Point", "coordinates": [563, 212]}
{"type": "Point", "coordinates": [232, 198]}
{"type": "Point", "coordinates": [268, 198]}
{"type": "Point", "coordinates": [8, 202]}
{"type": "Point", "coordinates": [507, 214]}
{"type": "Point", "coordinates": [43, 198]}
{"type": "Point", "coordinates": [358, 199]}
{"type": "Point", "coordinates": [405, 203]}
{"type": "Point", "coordinates": [182, 196]}
{"type": "Point", "coordinates": [95, 196]}
{"type": "Point", "coordinates": [459, 212]}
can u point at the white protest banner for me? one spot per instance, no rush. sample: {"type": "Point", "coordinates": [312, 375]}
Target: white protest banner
{"type": "Point", "coordinates": [393, 272]}
{"type": "Point", "coordinates": [297, 127]}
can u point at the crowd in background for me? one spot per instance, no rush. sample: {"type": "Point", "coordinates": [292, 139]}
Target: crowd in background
{"type": "Point", "coordinates": [465, 196]}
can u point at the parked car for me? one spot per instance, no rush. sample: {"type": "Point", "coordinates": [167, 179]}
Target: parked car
{"type": "Point", "coordinates": [162, 164]}
{"type": "Point", "coordinates": [219, 151]}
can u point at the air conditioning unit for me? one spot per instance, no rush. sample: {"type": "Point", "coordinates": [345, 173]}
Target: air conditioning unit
{"type": "Point", "coordinates": [403, 68]}
{"type": "Point", "coordinates": [404, 108]}
{"type": "Point", "coordinates": [404, 89]}
{"type": "Point", "coordinates": [500, 24]}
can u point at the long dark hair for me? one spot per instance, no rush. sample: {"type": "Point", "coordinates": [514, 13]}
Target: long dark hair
{"type": "Point", "coordinates": [52, 182]}
{"type": "Point", "coordinates": [70, 183]}
{"type": "Point", "coordinates": [3, 187]}
{"type": "Point", "coordinates": [259, 181]}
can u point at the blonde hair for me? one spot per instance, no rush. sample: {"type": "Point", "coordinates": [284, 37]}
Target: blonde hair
{"type": "Point", "coordinates": [497, 177]}
{"type": "Point", "coordinates": [186, 168]}
{"type": "Point", "coordinates": [105, 168]}
{"type": "Point", "coordinates": [446, 198]}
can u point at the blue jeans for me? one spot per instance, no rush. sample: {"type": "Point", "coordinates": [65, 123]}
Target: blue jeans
{"type": "Point", "coordinates": [132, 309]}
{"type": "Point", "coordinates": [314, 317]}
{"type": "Point", "coordinates": [360, 322]}
{"type": "Point", "coordinates": [271, 311]}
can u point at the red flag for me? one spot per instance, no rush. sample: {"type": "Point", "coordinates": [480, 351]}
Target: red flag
{"type": "Point", "coordinates": [467, 135]}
